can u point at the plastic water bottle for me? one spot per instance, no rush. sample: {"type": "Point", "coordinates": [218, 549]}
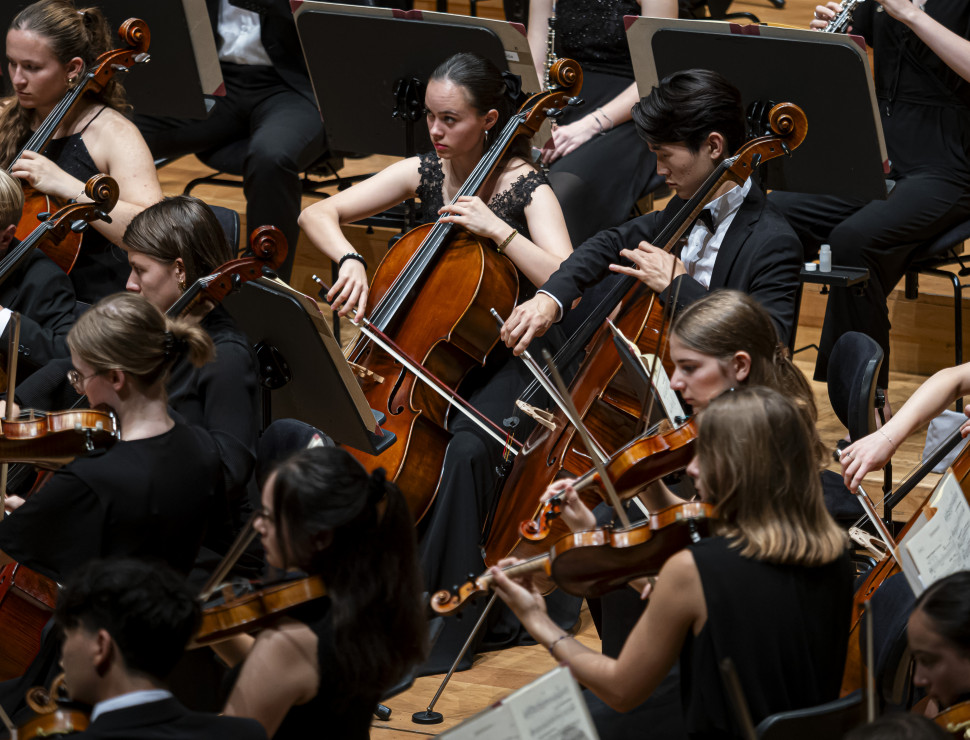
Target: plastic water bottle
{"type": "Point", "coordinates": [825, 259]}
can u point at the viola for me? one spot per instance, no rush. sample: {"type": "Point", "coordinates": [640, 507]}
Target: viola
{"type": "Point", "coordinates": [602, 391]}
{"type": "Point", "coordinates": [644, 460]}
{"type": "Point", "coordinates": [135, 36]}
{"type": "Point", "coordinates": [237, 611]}
{"type": "Point", "coordinates": [432, 294]}
{"type": "Point", "coordinates": [589, 564]}
{"type": "Point", "coordinates": [56, 713]}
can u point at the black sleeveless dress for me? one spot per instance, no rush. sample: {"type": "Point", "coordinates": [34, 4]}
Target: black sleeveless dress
{"type": "Point", "coordinates": [449, 534]}
{"type": "Point", "coordinates": [101, 268]}
{"type": "Point", "coordinates": [784, 627]}
{"type": "Point", "coordinates": [598, 183]}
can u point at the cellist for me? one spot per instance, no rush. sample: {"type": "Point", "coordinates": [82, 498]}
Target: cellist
{"type": "Point", "coordinates": [692, 120]}
{"type": "Point", "coordinates": [468, 102]}
{"type": "Point", "coordinates": [777, 553]}
{"type": "Point", "coordinates": [51, 44]}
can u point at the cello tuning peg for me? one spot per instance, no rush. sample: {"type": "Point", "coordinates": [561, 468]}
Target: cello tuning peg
{"type": "Point", "coordinates": [78, 226]}
{"type": "Point", "coordinates": [575, 101]}
{"type": "Point", "coordinates": [471, 577]}
{"type": "Point", "coordinates": [553, 112]}
{"type": "Point", "coordinates": [43, 216]}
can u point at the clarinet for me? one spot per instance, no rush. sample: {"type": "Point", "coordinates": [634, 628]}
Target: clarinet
{"type": "Point", "coordinates": [551, 57]}
{"type": "Point", "coordinates": [841, 21]}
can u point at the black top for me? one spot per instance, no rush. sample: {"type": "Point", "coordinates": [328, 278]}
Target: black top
{"type": "Point", "coordinates": [346, 715]}
{"type": "Point", "coordinates": [167, 719]}
{"type": "Point", "coordinates": [760, 255]}
{"type": "Point", "coordinates": [44, 296]}
{"type": "Point", "coordinates": [592, 33]}
{"type": "Point", "coordinates": [147, 498]}
{"type": "Point", "coordinates": [784, 627]}
{"type": "Point", "coordinates": [924, 105]}
{"type": "Point", "coordinates": [101, 268]}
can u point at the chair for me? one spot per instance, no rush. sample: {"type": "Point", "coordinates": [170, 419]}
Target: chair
{"type": "Point", "coordinates": [280, 440]}
{"type": "Point", "coordinates": [229, 221]}
{"type": "Point", "coordinates": [852, 371]}
{"type": "Point", "coordinates": [929, 259]}
{"type": "Point", "coordinates": [831, 721]}
{"type": "Point", "coordinates": [889, 609]}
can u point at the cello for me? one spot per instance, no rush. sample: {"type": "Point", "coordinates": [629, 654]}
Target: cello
{"type": "Point", "coordinates": [604, 395]}
{"type": "Point", "coordinates": [135, 36]}
{"type": "Point", "coordinates": [432, 293]}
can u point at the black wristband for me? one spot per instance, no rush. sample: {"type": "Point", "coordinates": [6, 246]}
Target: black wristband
{"type": "Point", "coordinates": [352, 256]}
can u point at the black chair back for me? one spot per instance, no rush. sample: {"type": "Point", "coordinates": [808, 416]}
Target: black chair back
{"type": "Point", "coordinates": [831, 721]}
{"type": "Point", "coordinates": [280, 440]}
{"type": "Point", "coordinates": [229, 221]}
{"type": "Point", "coordinates": [853, 369]}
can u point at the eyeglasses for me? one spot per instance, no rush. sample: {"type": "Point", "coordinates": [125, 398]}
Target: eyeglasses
{"type": "Point", "coordinates": [77, 380]}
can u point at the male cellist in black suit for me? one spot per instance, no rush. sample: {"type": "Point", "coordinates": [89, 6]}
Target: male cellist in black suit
{"type": "Point", "coordinates": [125, 625]}
{"type": "Point", "coordinates": [269, 105]}
{"type": "Point", "coordinates": [693, 120]}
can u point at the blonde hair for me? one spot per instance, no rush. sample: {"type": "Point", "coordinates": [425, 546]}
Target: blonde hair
{"type": "Point", "coordinates": [757, 461]}
{"type": "Point", "coordinates": [125, 332]}
{"type": "Point", "coordinates": [728, 321]}
{"type": "Point", "coordinates": [71, 32]}
{"type": "Point", "coordinates": [11, 200]}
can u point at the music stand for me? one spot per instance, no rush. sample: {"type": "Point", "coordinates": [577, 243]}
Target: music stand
{"type": "Point", "coordinates": [183, 74]}
{"type": "Point", "coordinates": [302, 370]}
{"type": "Point", "coordinates": [844, 153]}
{"type": "Point", "coordinates": [357, 100]}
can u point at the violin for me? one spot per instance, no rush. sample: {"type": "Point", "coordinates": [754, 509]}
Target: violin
{"type": "Point", "coordinates": [432, 294]}
{"type": "Point", "coordinates": [56, 714]}
{"type": "Point", "coordinates": [602, 391]}
{"type": "Point", "coordinates": [53, 439]}
{"type": "Point", "coordinates": [589, 564]}
{"type": "Point", "coordinates": [955, 720]}
{"type": "Point", "coordinates": [135, 36]}
{"type": "Point", "coordinates": [238, 610]}
{"type": "Point", "coordinates": [642, 461]}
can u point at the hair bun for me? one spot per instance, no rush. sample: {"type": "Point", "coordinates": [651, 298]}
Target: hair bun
{"type": "Point", "coordinates": [377, 486]}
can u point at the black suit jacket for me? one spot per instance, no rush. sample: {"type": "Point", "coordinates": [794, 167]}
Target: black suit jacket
{"type": "Point", "coordinates": [760, 255]}
{"type": "Point", "coordinates": [43, 295]}
{"type": "Point", "coordinates": [168, 719]}
{"type": "Point", "coordinates": [279, 37]}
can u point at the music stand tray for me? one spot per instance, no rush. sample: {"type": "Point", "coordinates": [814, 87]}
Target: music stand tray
{"type": "Point", "coordinates": [302, 364]}
{"type": "Point", "coordinates": [844, 153]}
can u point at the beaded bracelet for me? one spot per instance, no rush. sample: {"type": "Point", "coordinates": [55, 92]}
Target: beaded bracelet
{"type": "Point", "coordinates": [552, 645]}
{"type": "Point", "coordinates": [893, 444]}
{"type": "Point", "coordinates": [352, 256]}
{"type": "Point", "coordinates": [508, 239]}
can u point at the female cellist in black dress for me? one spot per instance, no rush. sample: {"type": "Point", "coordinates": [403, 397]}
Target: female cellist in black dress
{"type": "Point", "coordinates": [778, 557]}
{"type": "Point", "coordinates": [50, 45]}
{"type": "Point", "coordinates": [327, 663]}
{"type": "Point", "coordinates": [467, 104]}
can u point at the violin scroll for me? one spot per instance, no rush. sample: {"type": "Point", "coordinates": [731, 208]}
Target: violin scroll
{"type": "Point", "coordinates": [445, 603]}
{"type": "Point", "coordinates": [538, 529]}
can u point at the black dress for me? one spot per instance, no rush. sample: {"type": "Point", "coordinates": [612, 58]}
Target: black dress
{"type": "Point", "coordinates": [346, 715]}
{"type": "Point", "coordinates": [146, 498]}
{"type": "Point", "coordinates": [450, 532]}
{"type": "Point", "coordinates": [925, 111]}
{"type": "Point", "coordinates": [598, 183]}
{"type": "Point", "coordinates": [101, 268]}
{"type": "Point", "coordinates": [784, 627]}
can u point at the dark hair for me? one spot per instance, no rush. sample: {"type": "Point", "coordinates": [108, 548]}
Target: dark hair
{"type": "Point", "coordinates": [180, 226]}
{"type": "Point", "coordinates": [486, 90]}
{"type": "Point", "coordinates": [899, 726]}
{"type": "Point", "coordinates": [370, 566]}
{"type": "Point", "coordinates": [71, 32]}
{"type": "Point", "coordinates": [946, 604]}
{"type": "Point", "coordinates": [687, 106]}
{"type": "Point", "coordinates": [146, 608]}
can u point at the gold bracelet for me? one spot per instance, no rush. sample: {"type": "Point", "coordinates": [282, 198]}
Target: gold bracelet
{"type": "Point", "coordinates": [508, 239]}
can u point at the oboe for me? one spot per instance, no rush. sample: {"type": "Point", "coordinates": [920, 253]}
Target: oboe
{"type": "Point", "coordinates": [841, 21]}
{"type": "Point", "coordinates": [551, 45]}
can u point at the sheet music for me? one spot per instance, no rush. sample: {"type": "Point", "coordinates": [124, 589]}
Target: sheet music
{"type": "Point", "coordinates": [661, 383]}
{"type": "Point", "coordinates": [549, 708]}
{"type": "Point", "coordinates": [939, 543]}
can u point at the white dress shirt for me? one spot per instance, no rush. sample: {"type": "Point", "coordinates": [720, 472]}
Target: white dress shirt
{"type": "Point", "coordinates": [702, 247]}
{"type": "Point", "coordinates": [131, 699]}
{"type": "Point", "coordinates": [241, 40]}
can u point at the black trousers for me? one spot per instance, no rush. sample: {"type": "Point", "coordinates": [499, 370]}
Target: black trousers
{"type": "Point", "coordinates": [283, 134]}
{"type": "Point", "coordinates": [880, 235]}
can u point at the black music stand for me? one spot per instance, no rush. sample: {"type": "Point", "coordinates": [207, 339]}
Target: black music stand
{"type": "Point", "coordinates": [183, 74]}
{"type": "Point", "coordinates": [372, 105]}
{"type": "Point", "coordinates": [826, 75]}
{"type": "Point", "coordinates": [302, 370]}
